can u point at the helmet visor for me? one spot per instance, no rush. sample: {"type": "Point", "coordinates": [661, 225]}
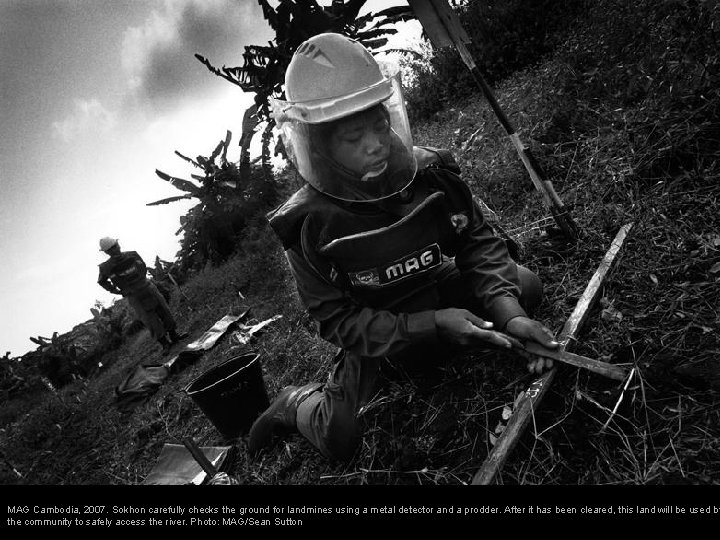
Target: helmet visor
{"type": "Point", "coordinates": [365, 155]}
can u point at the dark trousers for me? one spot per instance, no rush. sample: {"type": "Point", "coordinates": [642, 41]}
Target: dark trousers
{"type": "Point", "coordinates": [150, 306]}
{"type": "Point", "coordinates": [329, 418]}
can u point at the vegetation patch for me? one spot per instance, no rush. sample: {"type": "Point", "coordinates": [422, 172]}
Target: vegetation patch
{"type": "Point", "coordinates": [621, 110]}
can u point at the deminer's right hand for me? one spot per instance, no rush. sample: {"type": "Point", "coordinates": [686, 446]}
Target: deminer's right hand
{"type": "Point", "coordinates": [465, 328]}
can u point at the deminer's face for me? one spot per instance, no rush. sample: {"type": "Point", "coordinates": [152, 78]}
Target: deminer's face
{"type": "Point", "coordinates": [361, 142]}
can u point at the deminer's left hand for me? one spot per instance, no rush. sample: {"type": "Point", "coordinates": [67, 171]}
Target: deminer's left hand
{"type": "Point", "coordinates": [528, 329]}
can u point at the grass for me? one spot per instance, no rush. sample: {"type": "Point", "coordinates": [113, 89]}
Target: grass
{"type": "Point", "coordinates": [628, 131]}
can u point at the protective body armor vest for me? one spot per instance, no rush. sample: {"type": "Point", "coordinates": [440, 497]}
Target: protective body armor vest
{"type": "Point", "coordinates": [386, 254]}
{"type": "Point", "coordinates": [126, 271]}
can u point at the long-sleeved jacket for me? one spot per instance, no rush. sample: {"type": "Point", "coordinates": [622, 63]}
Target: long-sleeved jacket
{"type": "Point", "coordinates": [368, 273]}
{"type": "Point", "coordinates": [123, 273]}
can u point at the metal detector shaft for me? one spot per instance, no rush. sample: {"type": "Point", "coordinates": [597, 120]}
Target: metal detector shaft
{"type": "Point", "coordinates": [444, 29]}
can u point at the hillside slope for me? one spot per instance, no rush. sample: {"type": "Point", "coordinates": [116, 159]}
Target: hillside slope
{"type": "Point", "coordinates": [624, 118]}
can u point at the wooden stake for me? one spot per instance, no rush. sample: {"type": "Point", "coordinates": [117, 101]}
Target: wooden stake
{"type": "Point", "coordinates": [200, 457]}
{"type": "Point", "coordinates": [532, 397]}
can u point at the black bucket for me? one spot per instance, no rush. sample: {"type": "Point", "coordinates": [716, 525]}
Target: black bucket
{"type": "Point", "coordinates": [232, 394]}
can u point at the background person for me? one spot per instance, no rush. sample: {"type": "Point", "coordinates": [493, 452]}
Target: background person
{"type": "Point", "coordinates": [125, 273]}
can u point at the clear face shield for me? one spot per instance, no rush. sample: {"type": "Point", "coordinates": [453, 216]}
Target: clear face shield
{"type": "Point", "coordinates": [354, 148]}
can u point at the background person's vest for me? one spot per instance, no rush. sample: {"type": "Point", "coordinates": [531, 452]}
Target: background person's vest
{"type": "Point", "coordinates": [126, 271]}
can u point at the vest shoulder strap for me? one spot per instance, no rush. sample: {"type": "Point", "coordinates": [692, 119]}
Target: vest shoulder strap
{"type": "Point", "coordinates": [287, 219]}
{"type": "Point", "coordinates": [429, 156]}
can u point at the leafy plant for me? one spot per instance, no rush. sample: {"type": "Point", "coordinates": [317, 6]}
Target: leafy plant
{"type": "Point", "coordinates": [162, 277]}
{"type": "Point", "coordinates": [12, 378]}
{"type": "Point", "coordinates": [294, 21]}
{"type": "Point", "coordinates": [228, 195]}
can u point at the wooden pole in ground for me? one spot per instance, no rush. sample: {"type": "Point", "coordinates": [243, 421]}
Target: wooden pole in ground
{"type": "Point", "coordinates": [200, 457]}
{"type": "Point", "coordinates": [444, 29]}
{"type": "Point", "coordinates": [532, 397]}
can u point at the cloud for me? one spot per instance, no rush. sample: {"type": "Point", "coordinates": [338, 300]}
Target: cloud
{"type": "Point", "coordinates": [159, 56]}
{"type": "Point", "coordinates": [88, 116]}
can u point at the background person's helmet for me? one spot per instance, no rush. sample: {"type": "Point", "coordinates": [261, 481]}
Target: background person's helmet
{"type": "Point", "coordinates": [107, 242]}
{"type": "Point", "coordinates": [331, 77]}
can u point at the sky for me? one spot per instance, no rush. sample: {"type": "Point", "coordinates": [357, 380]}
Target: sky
{"type": "Point", "coordinates": [94, 96]}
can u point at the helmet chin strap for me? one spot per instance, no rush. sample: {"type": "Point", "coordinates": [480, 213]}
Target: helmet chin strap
{"type": "Point", "coordinates": [373, 174]}
{"type": "Point", "coordinates": [374, 180]}
{"type": "Point", "coordinates": [337, 165]}
{"type": "Point", "coordinates": [364, 178]}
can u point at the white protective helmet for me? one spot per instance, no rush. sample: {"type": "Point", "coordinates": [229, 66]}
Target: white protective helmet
{"type": "Point", "coordinates": [107, 242]}
{"type": "Point", "coordinates": [332, 77]}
